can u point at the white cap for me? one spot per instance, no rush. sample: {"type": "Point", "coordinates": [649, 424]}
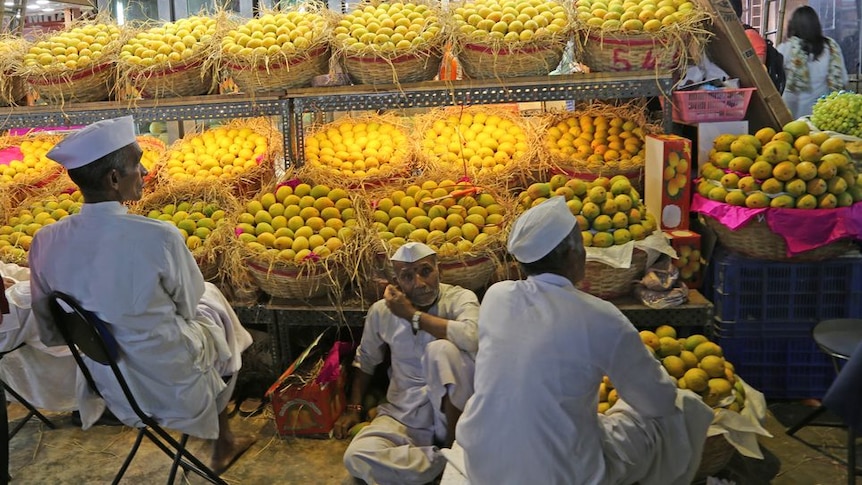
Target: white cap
{"type": "Point", "coordinates": [93, 142]}
{"type": "Point", "coordinates": [412, 252]}
{"type": "Point", "coordinates": [540, 229]}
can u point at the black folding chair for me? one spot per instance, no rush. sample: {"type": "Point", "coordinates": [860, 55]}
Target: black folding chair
{"type": "Point", "coordinates": [85, 333]}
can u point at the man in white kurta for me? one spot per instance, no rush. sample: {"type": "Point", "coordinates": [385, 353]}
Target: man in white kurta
{"type": "Point", "coordinates": [543, 349]}
{"type": "Point", "coordinates": [430, 331]}
{"type": "Point", "coordinates": [178, 337]}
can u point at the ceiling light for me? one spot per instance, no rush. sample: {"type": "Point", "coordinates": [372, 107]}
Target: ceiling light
{"type": "Point", "coordinates": [8, 4]}
{"type": "Point", "coordinates": [41, 2]}
{"type": "Point", "coordinates": [32, 7]}
{"type": "Point", "coordinates": [49, 9]}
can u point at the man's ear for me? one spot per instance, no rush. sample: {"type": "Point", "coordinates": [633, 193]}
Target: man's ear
{"type": "Point", "coordinates": [114, 178]}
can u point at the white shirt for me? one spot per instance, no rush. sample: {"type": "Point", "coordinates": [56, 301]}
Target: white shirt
{"type": "Point", "coordinates": [407, 396]}
{"type": "Point", "coordinates": [543, 349]}
{"type": "Point", "coordinates": [137, 275]}
{"type": "Point", "coordinates": [801, 103]}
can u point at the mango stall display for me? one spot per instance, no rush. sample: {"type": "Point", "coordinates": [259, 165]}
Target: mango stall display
{"type": "Point", "coordinates": [172, 59]}
{"type": "Point", "coordinates": [501, 40]}
{"type": "Point", "coordinates": [199, 212]}
{"type": "Point", "coordinates": [599, 140]}
{"type": "Point", "coordinates": [74, 65]}
{"type": "Point", "coordinates": [153, 149]}
{"type": "Point", "coordinates": [297, 239]}
{"type": "Point", "coordinates": [277, 50]}
{"type": "Point", "coordinates": [391, 42]}
{"type": "Point", "coordinates": [618, 35]}
{"type": "Point", "coordinates": [12, 88]}
{"type": "Point", "coordinates": [22, 223]}
{"type": "Point", "coordinates": [609, 212]}
{"type": "Point", "coordinates": [240, 153]}
{"type": "Point", "coordinates": [24, 166]}
{"type": "Point", "coordinates": [358, 150]}
{"type": "Point", "coordinates": [482, 143]}
{"type": "Point", "coordinates": [463, 223]}
{"type": "Point", "coordinates": [774, 171]}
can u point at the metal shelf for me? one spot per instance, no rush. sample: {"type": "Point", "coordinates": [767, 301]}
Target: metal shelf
{"type": "Point", "coordinates": [471, 92]}
{"type": "Point", "coordinates": [188, 108]}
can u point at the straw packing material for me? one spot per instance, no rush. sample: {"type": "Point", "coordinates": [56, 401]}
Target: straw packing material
{"type": "Point", "coordinates": [74, 65]}
{"type": "Point", "coordinates": [297, 239]}
{"type": "Point", "coordinates": [172, 59]}
{"type": "Point", "coordinates": [358, 150]}
{"type": "Point", "coordinates": [391, 42]}
{"type": "Point", "coordinates": [599, 139]}
{"type": "Point", "coordinates": [479, 142]}
{"type": "Point", "coordinates": [609, 211]}
{"type": "Point", "coordinates": [24, 160]}
{"type": "Point", "coordinates": [621, 35]}
{"type": "Point", "coordinates": [12, 51]}
{"type": "Point", "coordinates": [277, 50]}
{"type": "Point", "coordinates": [510, 39]}
{"type": "Point", "coordinates": [198, 211]}
{"type": "Point", "coordinates": [18, 229]}
{"type": "Point", "coordinates": [240, 152]}
{"type": "Point", "coordinates": [463, 223]}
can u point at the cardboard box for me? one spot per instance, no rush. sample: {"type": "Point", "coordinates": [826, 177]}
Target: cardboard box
{"type": "Point", "coordinates": [704, 133]}
{"type": "Point", "coordinates": [690, 260]}
{"type": "Point", "coordinates": [731, 50]}
{"type": "Point", "coordinates": [309, 397]}
{"type": "Point", "coordinates": [667, 174]}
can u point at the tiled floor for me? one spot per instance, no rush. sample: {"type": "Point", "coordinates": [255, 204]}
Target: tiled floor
{"type": "Point", "coordinates": [68, 455]}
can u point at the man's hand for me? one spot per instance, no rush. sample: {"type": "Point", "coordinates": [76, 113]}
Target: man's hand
{"type": "Point", "coordinates": [398, 303]}
{"type": "Point", "coordinates": [347, 420]}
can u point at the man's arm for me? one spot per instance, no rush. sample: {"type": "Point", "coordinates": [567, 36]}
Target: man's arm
{"type": "Point", "coordinates": [182, 279]}
{"type": "Point", "coordinates": [353, 414]}
{"type": "Point", "coordinates": [49, 334]}
{"type": "Point", "coordinates": [461, 329]}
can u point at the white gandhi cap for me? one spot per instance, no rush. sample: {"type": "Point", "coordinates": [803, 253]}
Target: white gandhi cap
{"type": "Point", "coordinates": [412, 252]}
{"type": "Point", "coordinates": [540, 229]}
{"type": "Point", "coordinates": [94, 142]}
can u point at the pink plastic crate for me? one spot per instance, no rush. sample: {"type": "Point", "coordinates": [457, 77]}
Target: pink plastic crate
{"type": "Point", "coordinates": [718, 105]}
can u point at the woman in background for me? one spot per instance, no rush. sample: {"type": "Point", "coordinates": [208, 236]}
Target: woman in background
{"type": "Point", "coordinates": [813, 63]}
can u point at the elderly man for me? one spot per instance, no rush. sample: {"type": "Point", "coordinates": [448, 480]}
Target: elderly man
{"type": "Point", "coordinates": [543, 349]}
{"type": "Point", "coordinates": [430, 330]}
{"type": "Point", "coordinates": [179, 337]}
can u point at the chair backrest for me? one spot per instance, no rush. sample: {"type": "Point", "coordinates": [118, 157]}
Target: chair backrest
{"type": "Point", "coordinates": [844, 396]}
{"type": "Point", "coordinates": [86, 333]}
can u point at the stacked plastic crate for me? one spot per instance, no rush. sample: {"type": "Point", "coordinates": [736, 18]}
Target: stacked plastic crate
{"type": "Point", "coordinates": [766, 310]}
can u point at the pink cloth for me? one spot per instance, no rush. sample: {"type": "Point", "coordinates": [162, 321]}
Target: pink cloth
{"type": "Point", "coordinates": [7, 155]}
{"type": "Point", "coordinates": [802, 230]}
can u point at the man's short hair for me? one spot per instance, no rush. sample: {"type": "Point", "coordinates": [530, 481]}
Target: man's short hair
{"type": "Point", "coordinates": [90, 176]}
{"type": "Point", "coordinates": [737, 7]}
{"type": "Point", "coordinates": [555, 260]}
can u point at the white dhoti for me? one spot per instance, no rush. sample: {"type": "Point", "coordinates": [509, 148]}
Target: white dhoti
{"type": "Point", "coordinates": [659, 451]}
{"type": "Point", "coordinates": [389, 452]}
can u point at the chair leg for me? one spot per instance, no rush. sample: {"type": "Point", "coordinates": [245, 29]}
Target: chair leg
{"type": "Point", "coordinates": [193, 464]}
{"type": "Point", "coordinates": [129, 458]}
{"type": "Point", "coordinates": [32, 411]}
{"type": "Point", "coordinates": [177, 459]}
{"type": "Point", "coordinates": [804, 421]}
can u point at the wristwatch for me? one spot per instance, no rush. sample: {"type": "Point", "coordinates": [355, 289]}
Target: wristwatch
{"type": "Point", "coordinates": [415, 321]}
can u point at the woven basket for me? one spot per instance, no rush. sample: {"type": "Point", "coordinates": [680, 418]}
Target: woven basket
{"type": "Point", "coordinates": [82, 86]}
{"type": "Point", "coordinates": [13, 90]}
{"type": "Point", "coordinates": [186, 79]}
{"type": "Point", "coordinates": [483, 62]}
{"type": "Point", "coordinates": [605, 281]}
{"type": "Point", "coordinates": [471, 272]}
{"type": "Point", "coordinates": [414, 67]}
{"type": "Point", "coordinates": [717, 452]}
{"type": "Point", "coordinates": [293, 73]}
{"type": "Point", "coordinates": [619, 53]}
{"type": "Point", "coordinates": [209, 266]}
{"type": "Point", "coordinates": [286, 280]}
{"type": "Point", "coordinates": [756, 240]}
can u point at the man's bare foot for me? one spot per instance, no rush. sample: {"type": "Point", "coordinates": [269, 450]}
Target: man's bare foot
{"type": "Point", "coordinates": [225, 454]}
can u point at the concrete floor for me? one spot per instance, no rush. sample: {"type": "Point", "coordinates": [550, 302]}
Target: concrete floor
{"type": "Point", "coordinates": [68, 455]}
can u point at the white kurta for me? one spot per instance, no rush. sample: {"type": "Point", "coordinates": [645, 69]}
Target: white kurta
{"type": "Point", "coordinates": [801, 103]}
{"type": "Point", "coordinates": [177, 336]}
{"type": "Point", "coordinates": [543, 349]}
{"type": "Point", "coordinates": [398, 446]}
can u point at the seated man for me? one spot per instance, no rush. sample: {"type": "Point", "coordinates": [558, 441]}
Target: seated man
{"type": "Point", "coordinates": [543, 349]}
{"type": "Point", "coordinates": [430, 329]}
{"type": "Point", "coordinates": [179, 337]}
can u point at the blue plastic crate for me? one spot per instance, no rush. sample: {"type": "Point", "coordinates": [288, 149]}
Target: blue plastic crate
{"type": "Point", "coordinates": [764, 329]}
{"type": "Point", "coordinates": [747, 289]}
{"type": "Point", "coordinates": [781, 368]}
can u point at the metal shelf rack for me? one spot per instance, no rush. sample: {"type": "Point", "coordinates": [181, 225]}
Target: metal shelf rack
{"type": "Point", "coordinates": [175, 109]}
{"type": "Point", "coordinates": [622, 85]}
